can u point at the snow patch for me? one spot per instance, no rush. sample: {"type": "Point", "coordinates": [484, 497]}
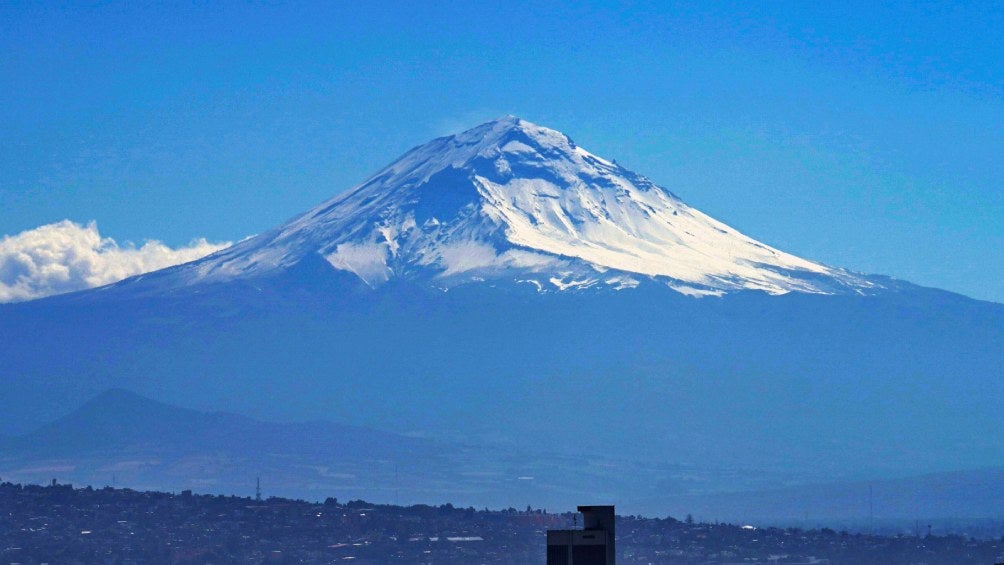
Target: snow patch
{"type": "Point", "coordinates": [462, 256]}
{"type": "Point", "coordinates": [367, 260]}
{"type": "Point", "coordinates": [535, 283]}
{"type": "Point", "coordinates": [695, 292]}
{"type": "Point", "coordinates": [518, 147]}
{"type": "Point", "coordinates": [621, 283]}
{"type": "Point", "coordinates": [465, 256]}
{"type": "Point", "coordinates": [571, 284]}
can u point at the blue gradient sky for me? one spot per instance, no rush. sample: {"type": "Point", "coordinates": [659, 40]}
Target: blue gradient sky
{"type": "Point", "coordinates": [859, 135]}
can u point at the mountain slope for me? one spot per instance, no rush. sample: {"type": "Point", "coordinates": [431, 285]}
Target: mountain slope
{"type": "Point", "coordinates": [895, 381]}
{"type": "Point", "coordinates": [513, 201]}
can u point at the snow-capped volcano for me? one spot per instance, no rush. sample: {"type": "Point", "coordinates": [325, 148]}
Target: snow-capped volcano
{"type": "Point", "coordinates": [513, 201]}
{"type": "Point", "coordinates": [340, 311]}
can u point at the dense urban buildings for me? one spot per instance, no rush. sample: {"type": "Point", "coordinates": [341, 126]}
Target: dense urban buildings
{"type": "Point", "coordinates": [66, 525]}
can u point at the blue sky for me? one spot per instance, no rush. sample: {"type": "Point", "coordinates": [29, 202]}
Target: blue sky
{"type": "Point", "coordinates": [865, 135]}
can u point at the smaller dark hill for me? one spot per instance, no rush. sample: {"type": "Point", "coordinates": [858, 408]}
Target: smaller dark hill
{"type": "Point", "coordinates": [119, 422]}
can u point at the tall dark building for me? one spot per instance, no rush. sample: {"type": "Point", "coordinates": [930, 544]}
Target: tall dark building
{"type": "Point", "coordinates": [592, 545]}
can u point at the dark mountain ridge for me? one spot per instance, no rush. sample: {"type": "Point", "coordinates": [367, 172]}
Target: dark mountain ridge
{"type": "Point", "coordinates": [119, 422]}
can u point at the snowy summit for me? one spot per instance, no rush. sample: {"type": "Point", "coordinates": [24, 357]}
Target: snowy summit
{"type": "Point", "coordinates": [511, 201]}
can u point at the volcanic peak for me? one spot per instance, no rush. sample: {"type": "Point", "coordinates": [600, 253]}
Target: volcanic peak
{"type": "Point", "coordinates": [512, 201]}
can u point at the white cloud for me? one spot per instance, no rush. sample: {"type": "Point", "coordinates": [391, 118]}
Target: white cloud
{"type": "Point", "coordinates": [67, 256]}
